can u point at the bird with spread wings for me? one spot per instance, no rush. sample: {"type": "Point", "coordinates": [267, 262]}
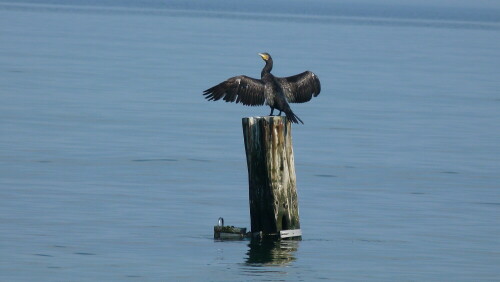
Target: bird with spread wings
{"type": "Point", "coordinates": [276, 92]}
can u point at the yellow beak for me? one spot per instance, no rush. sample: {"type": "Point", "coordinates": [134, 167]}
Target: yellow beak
{"type": "Point", "coordinates": [264, 56]}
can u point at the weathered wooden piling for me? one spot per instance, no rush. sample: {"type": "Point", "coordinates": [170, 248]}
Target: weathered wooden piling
{"type": "Point", "coordinates": [271, 175]}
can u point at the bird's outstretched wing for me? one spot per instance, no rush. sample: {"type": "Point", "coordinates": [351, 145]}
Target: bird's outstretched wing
{"type": "Point", "coordinates": [301, 87]}
{"type": "Point", "coordinates": [240, 89]}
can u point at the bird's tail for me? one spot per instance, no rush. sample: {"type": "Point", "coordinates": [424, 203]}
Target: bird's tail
{"type": "Point", "coordinates": [293, 117]}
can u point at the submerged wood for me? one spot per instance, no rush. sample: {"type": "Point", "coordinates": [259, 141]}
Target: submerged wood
{"type": "Point", "coordinates": [271, 174]}
{"type": "Point", "coordinates": [229, 232]}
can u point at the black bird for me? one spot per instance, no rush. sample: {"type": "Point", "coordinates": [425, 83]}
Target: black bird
{"type": "Point", "coordinates": [276, 92]}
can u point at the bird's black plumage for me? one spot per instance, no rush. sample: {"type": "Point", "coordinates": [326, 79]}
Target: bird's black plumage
{"type": "Point", "coordinates": [276, 92]}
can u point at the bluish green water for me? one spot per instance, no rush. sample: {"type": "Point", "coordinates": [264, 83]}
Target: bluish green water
{"type": "Point", "coordinates": [113, 167]}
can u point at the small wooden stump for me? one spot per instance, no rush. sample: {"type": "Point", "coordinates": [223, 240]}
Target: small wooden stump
{"type": "Point", "coordinates": [271, 175]}
{"type": "Point", "coordinates": [229, 232]}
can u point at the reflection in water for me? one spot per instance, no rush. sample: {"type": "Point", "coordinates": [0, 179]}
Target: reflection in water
{"type": "Point", "coordinates": [271, 252]}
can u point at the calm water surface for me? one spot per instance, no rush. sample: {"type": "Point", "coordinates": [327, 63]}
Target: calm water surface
{"type": "Point", "coordinates": [114, 168]}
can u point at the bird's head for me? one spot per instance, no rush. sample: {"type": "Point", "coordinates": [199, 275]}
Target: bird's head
{"type": "Point", "coordinates": [265, 56]}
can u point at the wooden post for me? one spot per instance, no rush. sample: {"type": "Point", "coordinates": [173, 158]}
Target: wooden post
{"type": "Point", "coordinates": [271, 175]}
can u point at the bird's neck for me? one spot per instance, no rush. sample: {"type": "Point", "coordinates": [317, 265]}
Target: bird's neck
{"type": "Point", "coordinates": [267, 68]}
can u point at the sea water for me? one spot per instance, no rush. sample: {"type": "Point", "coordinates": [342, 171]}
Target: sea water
{"type": "Point", "coordinates": [113, 167]}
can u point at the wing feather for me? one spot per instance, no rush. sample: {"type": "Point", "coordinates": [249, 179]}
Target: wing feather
{"type": "Point", "coordinates": [301, 87]}
{"type": "Point", "coordinates": [240, 89]}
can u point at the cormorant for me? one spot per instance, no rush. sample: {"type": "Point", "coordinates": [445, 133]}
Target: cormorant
{"type": "Point", "coordinates": [276, 92]}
